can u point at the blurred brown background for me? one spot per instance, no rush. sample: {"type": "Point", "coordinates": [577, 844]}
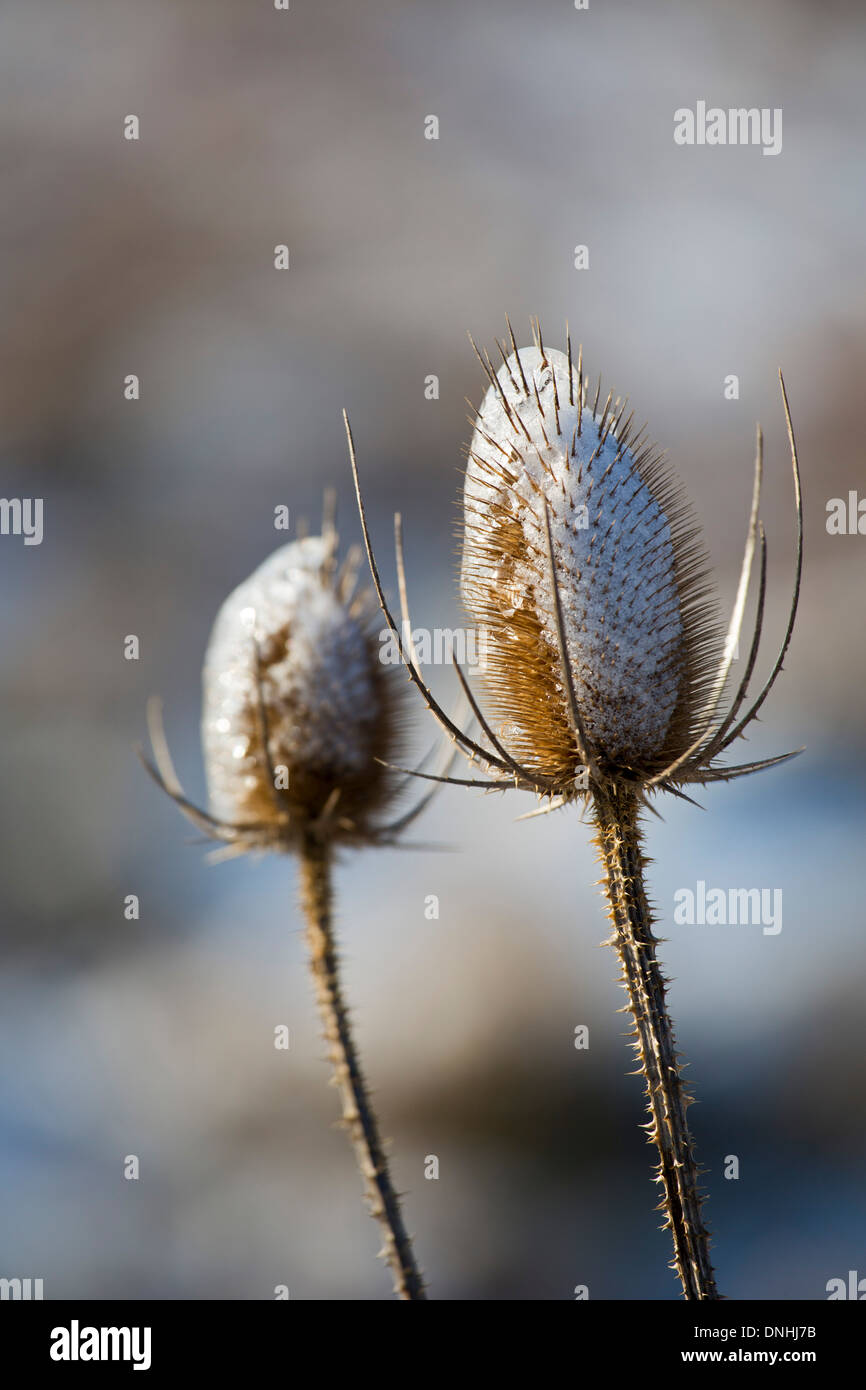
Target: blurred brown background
{"type": "Point", "coordinates": [156, 257]}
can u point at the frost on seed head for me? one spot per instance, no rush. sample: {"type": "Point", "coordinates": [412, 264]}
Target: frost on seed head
{"type": "Point", "coordinates": [639, 635]}
{"type": "Point", "coordinates": [291, 667]}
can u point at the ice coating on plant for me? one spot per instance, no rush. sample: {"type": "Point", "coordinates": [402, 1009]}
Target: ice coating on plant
{"type": "Point", "coordinates": [621, 560]}
{"type": "Point", "coordinates": [288, 654]}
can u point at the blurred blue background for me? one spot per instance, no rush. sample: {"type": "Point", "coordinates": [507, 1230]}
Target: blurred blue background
{"type": "Point", "coordinates": [155, 1037]}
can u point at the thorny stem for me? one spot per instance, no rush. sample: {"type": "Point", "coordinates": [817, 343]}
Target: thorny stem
{"type": "Point", "coordinates": [619, 844]}
{"type": "Point", "coordinates": [358, 1114]}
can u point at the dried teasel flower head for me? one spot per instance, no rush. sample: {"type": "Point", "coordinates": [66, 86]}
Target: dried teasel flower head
{"type": "Point", "coordinates": [300, 716]}
{"type": "Point", "coordinates": [604, 663]}
{"type": "Point", "coordinates": [582, 560]}
{"type": "Point", "coordinates": [640, 637]}
{"type": "Point", "coordinates": [298, 712]}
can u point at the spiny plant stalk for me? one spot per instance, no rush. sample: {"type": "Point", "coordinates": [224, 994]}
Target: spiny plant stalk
{"type": "Point", "coordinates": [605, 671]}
{"type": "Point", "coordinates": [299, 720]}
{"type": "Point", "coordinates": [358, 1115]}
{"type": "Point", "coordinates": [618, 841]}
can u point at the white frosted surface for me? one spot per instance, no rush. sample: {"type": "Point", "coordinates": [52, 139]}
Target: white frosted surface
{"type": "Point", "coordinates": [317, 680]}
{"type": "Point", "coordinates": [615, 574]}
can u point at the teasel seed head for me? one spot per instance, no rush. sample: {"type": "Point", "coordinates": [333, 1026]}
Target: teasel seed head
{"type": "Point", "coordinates": [604, 664]}
{"type": "Point", "coordinates": [640, 635]}
{"type": "Point", "coordinates": [301, 720]}
{"type": "Point", "coordinates": [293, 686]}
{"type": "Point", "coordinates": [583, 562]}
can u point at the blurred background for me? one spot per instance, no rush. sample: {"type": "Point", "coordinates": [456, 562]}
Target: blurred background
{"type": "Point", "coordinates": [156, 257]}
